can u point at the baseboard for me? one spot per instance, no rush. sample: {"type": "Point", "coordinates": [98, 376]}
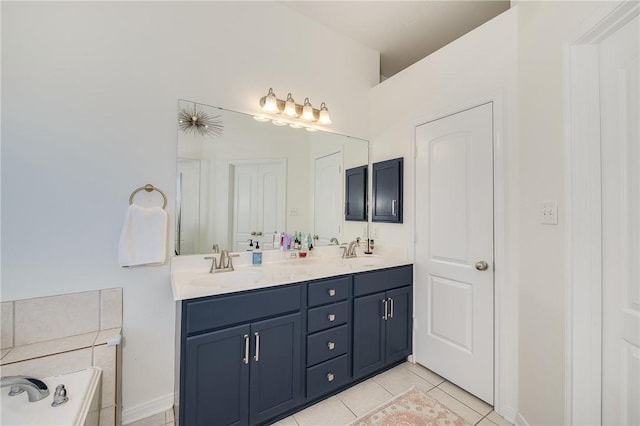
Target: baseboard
{"type": "Point", "coordinates": [520, 420]}
{"type": "Point", "coordinates": [510, 414]}
{"type": "Point", "coordinates": [148, 409]}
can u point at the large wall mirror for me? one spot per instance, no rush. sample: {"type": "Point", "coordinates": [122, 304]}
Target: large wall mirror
{"type": "Point", "coordinates": [255, 179]}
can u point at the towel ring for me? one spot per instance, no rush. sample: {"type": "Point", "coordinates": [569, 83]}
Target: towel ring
{"type": "Point", "coordinates": [148, 187]}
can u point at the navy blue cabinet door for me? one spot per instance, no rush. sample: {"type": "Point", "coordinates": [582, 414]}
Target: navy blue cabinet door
{"type": "Point", "coordinates": [216, 382]}
{"type": "Point", "coordinates": [356, 194]}
{"type": "Point", "coordinates": [387, 191]}
{"type": "Point", "coordinates": [399, 324]}
{"type": "Point", "coordinates": [368, 334]}
{"type": "Point", "coordinates": [275, 367]}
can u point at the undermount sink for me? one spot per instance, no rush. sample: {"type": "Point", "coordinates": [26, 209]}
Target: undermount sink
{"type": "Point", "coordinates": [366, 260]}
{"type": "Point", "coordinates": [236, 277]}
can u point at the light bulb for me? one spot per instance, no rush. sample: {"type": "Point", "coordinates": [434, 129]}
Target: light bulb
{"type": "Point", "coordinates": [270, 102]}
{"type": "Point", "coordinates": [290, 106]}
{"type": "Point", "coordinates": [307, 110]}
{"type": "Point", "coordinates": [324, 117]}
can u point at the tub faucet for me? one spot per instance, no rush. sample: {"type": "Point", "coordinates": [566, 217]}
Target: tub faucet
{"type": "Point", "coordinates": [333, 241]}
{"type": "Point", "coordinates": [36, 389]}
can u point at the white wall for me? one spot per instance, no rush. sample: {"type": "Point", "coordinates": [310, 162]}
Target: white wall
{"type": "Point", "coordinates": [544, 27]}
{"type": "Point", "coordinates": [90, 96]}
{"type": "Point", "coordinates": [475, 68]}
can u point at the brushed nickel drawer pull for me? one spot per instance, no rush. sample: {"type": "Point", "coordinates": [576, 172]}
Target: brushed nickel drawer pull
{"type": "Point", "coordinates": [256, 357]}
{"type": "Point", "coordinates": [384, 302]}
{"type": "Point", "coordinates": [390, 308]}
{"type": "Point", "coordinates": [331, 345]}
{"type": "Point", "coordinates": [331, 317]}
{"type": "Point", "coordinates": [331, 292]}
{"type": "Point", "coordinates": [330, 377]}
{"type": "Point", "coordinates": [246, 349]}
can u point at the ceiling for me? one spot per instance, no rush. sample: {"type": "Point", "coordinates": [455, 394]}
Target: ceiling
{"type": "Point", "coordinates": [402, 31]}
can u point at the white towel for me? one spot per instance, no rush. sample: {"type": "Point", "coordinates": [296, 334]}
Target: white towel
{"type": "Point", "coordinates": [144, 236]}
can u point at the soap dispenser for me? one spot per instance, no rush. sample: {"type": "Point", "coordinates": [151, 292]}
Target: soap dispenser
{"type": "Point", "coordinates": [257, 255]}
{"type": "Point", "coordinates": [250, 248]}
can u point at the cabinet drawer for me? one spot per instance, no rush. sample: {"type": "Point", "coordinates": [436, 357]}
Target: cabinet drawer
{"type": "Point", "coordinates": [327, 376]}
{"type": "Point", "coordinates": [328, 291]}
{"type": "Point", "coordinates": [327, 344]}
{"type": "Point", "coordinates": [382, 280]}
{"type": "Point", "coordinates": [327, 316]}
{"type": "Point", "coordinates": [221, 311]}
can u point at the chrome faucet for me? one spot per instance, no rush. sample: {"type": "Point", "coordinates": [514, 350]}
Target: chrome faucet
{"type": "Point", "coordinates": [225, 264]}
{"type": "Point", "coordinates": [349, 252]}
{"type": "Point", "coordinates": [334, 241]}
{"type": "Point", "coordinates": [36, 389]}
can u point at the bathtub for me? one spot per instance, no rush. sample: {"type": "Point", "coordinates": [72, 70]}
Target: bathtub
{"type": "Point", "coordinates": [81, 388]}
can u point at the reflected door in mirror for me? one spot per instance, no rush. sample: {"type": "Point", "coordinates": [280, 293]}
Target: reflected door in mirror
{"type": "Point", "coordinates": [259, 203]}
{"type": "Point", "coordinates": [188, 200]}
{"type": "Point", "coordinates": [328, 197]}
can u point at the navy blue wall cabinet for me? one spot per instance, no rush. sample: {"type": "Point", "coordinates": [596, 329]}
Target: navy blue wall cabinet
{"type": "Point", "coordinates": [387, 191]}
{"type": "Point", "coordinates": [355, 195]}
{"type": "Point", "coordinates": [382, 320]}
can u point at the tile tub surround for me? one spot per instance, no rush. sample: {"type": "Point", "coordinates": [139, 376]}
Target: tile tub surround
{"type": "Point", "coordinates": [52, 335]}
{"type": "Point", "coordinates": [277, 268]}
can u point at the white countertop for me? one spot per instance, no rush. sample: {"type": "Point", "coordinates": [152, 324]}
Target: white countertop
{"type": "Point", "coordinates": [190, 277]}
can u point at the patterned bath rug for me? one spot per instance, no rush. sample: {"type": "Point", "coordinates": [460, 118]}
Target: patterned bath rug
{"type": "Point", "coordinates": [412, 408]}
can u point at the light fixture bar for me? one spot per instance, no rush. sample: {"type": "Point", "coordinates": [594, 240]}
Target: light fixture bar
{"type": "Point", "coordinates": [270, 103]}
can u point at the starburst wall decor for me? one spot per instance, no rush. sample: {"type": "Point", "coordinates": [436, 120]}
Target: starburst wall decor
{"type": "Point", "coordinates": [190, 120]}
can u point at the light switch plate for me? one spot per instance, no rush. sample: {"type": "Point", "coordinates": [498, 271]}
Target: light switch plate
{"type": "Point", "coordinates": [549, 213]}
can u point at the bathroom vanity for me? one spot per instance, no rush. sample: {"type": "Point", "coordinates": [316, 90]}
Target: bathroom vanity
{"type": "Point", "coordinates": [297, 332]}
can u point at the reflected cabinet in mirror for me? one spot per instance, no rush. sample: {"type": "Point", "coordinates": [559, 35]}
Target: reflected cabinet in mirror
{"type": "Point", "coordinates": [248, 180]}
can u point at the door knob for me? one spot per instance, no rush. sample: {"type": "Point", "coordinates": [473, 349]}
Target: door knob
{"type": "Point", "coordinates": [482, 265]}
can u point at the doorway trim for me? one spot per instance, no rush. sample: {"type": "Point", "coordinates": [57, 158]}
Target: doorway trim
{"type": "Point", "coordinates": [505, 253]}
{"type": "Point", "coordinates": [583, 238]}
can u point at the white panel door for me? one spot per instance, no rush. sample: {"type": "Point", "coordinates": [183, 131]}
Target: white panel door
{"type": "Point", "coordinates": [259, 202]}
{"type": "Point", "coordinates": [188, 208]}
{"type": "Point", "coordinates": [328, 186]}
{"type": "Point", "coordinates": [620, 132]}
{"type": "Point", "coordinates": [454, 236]}
{"type": "Point", "coordinates": [245, 204]}
{"type": "Point", "coordinates": [271, 202]}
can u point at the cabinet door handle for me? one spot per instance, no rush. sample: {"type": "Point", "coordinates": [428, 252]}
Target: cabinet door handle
{"type": "Point", "coordinates": [384, 302]}
{"type": "Point", "coordinates": [259, 233]}
{"type": "Point", "coordinates": [256, 357]}
{"type": "Point", "coordinates": [331, 345]}
{"type": "Point", "coordinates": [246, 349]}
{"type": "Point", "coordinates": [253, 232]}
{"type": "Point", "coordinates": [390, 308]}
{"type": "Point", "coordinates": [331, 317]}
{"type": "Point", "coordinates": [330, 377]}
{"type": "Point", "coordinates": [393, 207]}
{"type": "Point", "coordinates": [331, 292]}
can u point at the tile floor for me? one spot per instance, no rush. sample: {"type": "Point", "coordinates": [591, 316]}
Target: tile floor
{"type": "Point", "coordinates": [346, 406]}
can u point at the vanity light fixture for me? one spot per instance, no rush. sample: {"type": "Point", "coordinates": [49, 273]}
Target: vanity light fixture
{"type": "Point", "coordinates": [190, 120]}
{"type": "Point", "coordinates": [271, 104]}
